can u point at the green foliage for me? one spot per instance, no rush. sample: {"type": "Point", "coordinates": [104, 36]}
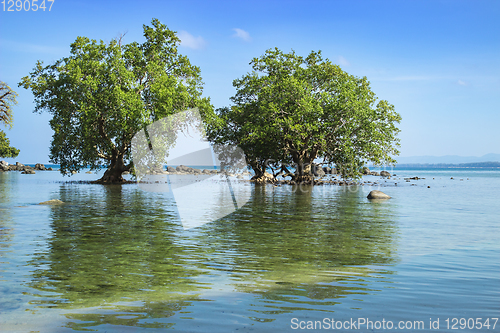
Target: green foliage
{"type": "Point", "coordinates": [103, 94]}
{"type": "Point", "coordinates": [7, 100]}
{"type": "Point", "coordinates": [292, 110]}
{"type": "Point", "coordinates": [5, 149]}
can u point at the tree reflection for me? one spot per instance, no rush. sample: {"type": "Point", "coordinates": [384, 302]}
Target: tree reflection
{"type": "Point", "coordinates": [6, 228]}
{"type": "Point", "coordinates": [320, 243]}
{"type": "Point", "coordinates": [122, 249]}
{"type": "Point", "coordinates": [113, 246]}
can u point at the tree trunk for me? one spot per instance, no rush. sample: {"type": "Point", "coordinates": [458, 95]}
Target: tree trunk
{"type": "Point", "coordinates": [257, 169]}
{"type": "Point", "coordinates": [303, 172]}
{"type": "Point", "coordinates": [113, 174]}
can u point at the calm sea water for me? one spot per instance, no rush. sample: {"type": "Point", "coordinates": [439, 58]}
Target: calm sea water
{"type": "Point", "coordinates": [117, 259]}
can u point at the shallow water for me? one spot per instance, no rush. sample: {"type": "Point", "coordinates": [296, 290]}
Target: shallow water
{"type": "Point", "coordinates": [117, 259]}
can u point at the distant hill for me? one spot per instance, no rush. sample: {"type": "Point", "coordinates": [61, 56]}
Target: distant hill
{"type": "Point", "coordinates": [448, 159]}
{"type": "Point", "coordinates": [477, 165]}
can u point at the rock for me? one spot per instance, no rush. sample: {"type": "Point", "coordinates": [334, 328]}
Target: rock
{"type": "Point", "coordinates": [327, 170]}
{"type": "Point", "coordinates": [183, 168]}
{"type": "Point", "coordinates": [365, 171]}
{"type": "Point", "coordinates": [52, 202]}
{"type": "Point", "coordinates": [196, 171]}
{"type": "Point", "coordinates": [374, 173]}
{"type": "Point", "coordinates": [171, 169]}
{"type": "Point", "coordinates": [125, 173]}
{"type": "Point", "coordinates": [88, 172]}
{"type": "Point", "coordinates": [40, 166]}
{"type": "Point", "coordinates": [50, 169]}
{"type": "Point", "coordinates": [317, 171]}
{"type": "Point", "coordinates": [266, 177]}
{"type": "Point", "coordinates": [385, 173]}
{"type": "Point", "coordinates": [4, 166]}
{"type": "Point", "coordinates": [73, 172]}
{"type": "Point", "coordinates": [28, 172]}
{"type": "Point", "coordinates": [377, 195]}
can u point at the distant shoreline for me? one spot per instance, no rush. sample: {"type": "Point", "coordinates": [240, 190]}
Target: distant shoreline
{"type": "Point", "coordinates": [475, 165]}
{"type": "Point", "coordinates": [418, 166]}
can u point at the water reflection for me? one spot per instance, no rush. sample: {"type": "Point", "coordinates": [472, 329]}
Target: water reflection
{"type": "Point", "coordinates": [113, 246]}
{"type": "Point", "coordinates": [298, 245]}
{"type": "Point", "coordinates": [6, 229]}
{"type": "Point", "coordinates": [120, 256]}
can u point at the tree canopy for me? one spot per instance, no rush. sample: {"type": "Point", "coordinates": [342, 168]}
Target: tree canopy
{"type": "Point", "coordinates": [291, 110]}
{"type": "Point", "coordinates": [7, 100]}
{"type": "Point", "coordinates": [102, 94]}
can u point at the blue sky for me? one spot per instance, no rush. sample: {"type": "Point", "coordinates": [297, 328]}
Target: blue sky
{"type": "Point", "coordinates": [438, 62]}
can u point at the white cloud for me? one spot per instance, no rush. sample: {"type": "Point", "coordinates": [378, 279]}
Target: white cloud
{"type": "Point", "coordinates": [242, 34]}
{"type": "Point", "coordinates": [343, 61]}
{"type": "Point", "coordinates": [190, 41]}
{"type": "Point", "coordinates": [461, 83]}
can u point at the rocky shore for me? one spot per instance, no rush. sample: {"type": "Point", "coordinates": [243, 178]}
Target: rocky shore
{"type": "Point", "coordinates": [25, 169]}
{"type": "Point", "coordinates": [322, 176]}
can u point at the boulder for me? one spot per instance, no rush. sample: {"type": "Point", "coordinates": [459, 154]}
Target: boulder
{"type": "Point", "coordinates": [50, 169]}
{"type": "Point", "coordinates": [183, 168]}
{"type": "Point", "coordinates": [327, 170]}
{"type": "Point", "coordinates": [4, 166]}
{"type": "Point", "coordinates": [52, 202]}
{"type": "Point", "coordinates": [28, 172]}
{"type": "Point", "coordinates": [171, 169]}
{"type": "Point", "coordinates": [385, 173]}
{"type": "Point", "coordinates": [196, 171]}
{"type": "Point", "coordinates": [317, 171]}
{"type": "Point", "coordinates": [365, 171]}
{"type": "Point", "coordinates": [374, 173]}
{"type": "Point", "coordinates": [268, 175]}
{"type": "Point", "coordinates": [40, 166]}
{"type": "Point", "coordinates": [377, 195]}
{"type": "Point", "coordinates": [89, 172]}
